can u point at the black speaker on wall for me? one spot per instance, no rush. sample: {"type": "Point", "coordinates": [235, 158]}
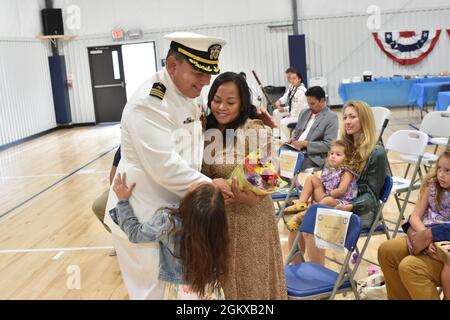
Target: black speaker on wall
{"type": "Point", "coordinates": [52, 21]}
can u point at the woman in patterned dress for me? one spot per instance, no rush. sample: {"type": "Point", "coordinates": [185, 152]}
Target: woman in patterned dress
{"type": "Point", "coordinates": [255, 266]}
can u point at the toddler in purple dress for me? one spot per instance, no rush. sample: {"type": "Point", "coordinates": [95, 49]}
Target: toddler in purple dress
{"type": "Point", "coordinates": [337, 185]}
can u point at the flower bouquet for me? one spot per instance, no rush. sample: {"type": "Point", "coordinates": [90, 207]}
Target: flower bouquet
{"type": "Point", "coordinates": [258, 174]}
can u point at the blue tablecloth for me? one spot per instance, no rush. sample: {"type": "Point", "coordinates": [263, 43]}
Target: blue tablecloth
{"type": "Point", "coordinates": [443, 101]}
{"type": "Point", "coordinates": [424, 93]}
{"type": "Point", "coordinates": [383, 92]}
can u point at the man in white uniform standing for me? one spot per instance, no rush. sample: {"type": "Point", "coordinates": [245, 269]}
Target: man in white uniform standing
{"type": "Point", "coordinates": [162, 150]}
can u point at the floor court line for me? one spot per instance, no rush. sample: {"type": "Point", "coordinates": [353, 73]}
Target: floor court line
{"type": "Point", "coordinates": [31, 177]}
{"type": "Point", "coordinates": [27, 148]}
{"type": "Point", "coordinates": [56, 183]}
{"type": "Point", "coordinates": [58, 250]}
{"type": "Point", "coordinates": [58, 255]}
{"type": "Point", "coordinates": [93, 171]}
{"type": "Point", "coordinates": [46, 141]}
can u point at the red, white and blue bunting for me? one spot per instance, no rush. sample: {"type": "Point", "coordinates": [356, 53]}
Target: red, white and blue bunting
{"type": "Point", "coordinates": [407, 47]}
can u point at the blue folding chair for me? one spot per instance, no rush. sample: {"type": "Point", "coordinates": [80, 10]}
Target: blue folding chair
{"type": "Point", "coordinates": [378, 226]}
{"type": "Point", "coordinates": [287, 194]}
{"type": "Point", "coordinates": [310, 280]}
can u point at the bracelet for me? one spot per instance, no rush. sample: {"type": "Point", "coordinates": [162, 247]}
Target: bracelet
{"type": "Point", "coordinates": [327, 194]}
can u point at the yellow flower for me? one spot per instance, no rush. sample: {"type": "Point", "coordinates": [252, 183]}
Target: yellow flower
{"type": "Point", "coordinates": [259, 170]}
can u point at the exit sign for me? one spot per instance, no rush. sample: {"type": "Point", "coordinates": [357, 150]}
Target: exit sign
{"type": "Point", "coordinates": [117, 34]}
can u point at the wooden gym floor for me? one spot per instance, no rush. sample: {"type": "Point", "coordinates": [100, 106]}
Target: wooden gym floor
{"type": "Point", "coordinates": [48, 233]}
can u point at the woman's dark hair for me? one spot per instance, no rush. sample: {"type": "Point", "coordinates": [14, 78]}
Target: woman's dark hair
{"type": "Point", "coordinates": [290, 70]}
{"type": "Point", "coordinates": [247, 110]}
{"type": "Point", "coordinates": [204, 238]}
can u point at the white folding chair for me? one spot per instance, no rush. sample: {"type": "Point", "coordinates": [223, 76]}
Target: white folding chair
{"type": "Point", "coordinates": [438, 128]}
{"type": "Point", "coordinates": [406, 142]}
{"type": "Point", "coordinates": [319, 82]}
{"type": "Point", "coordinates": [382, 116]}
{"type": "Point", "coordinates": [436, 124]}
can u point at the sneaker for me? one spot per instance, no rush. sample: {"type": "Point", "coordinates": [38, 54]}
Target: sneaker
{"type": "Point", "coordinates": [112, 253]}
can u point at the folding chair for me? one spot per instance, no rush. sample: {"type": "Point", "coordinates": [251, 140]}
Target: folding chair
{"type": "Point", "coordinates": [436, 124]}
{"type": "Point", "coordinates": [378, 226]}
{"type": "Point", "coordinates": [409, 142]}
{"type": "Point", "coordinates": [381, 115]}
{"type": "Point", "coordinates": [291, 162]}
{"type": "Point", "coordinates": [291, 127]}
{"type": "Point", "coordinates": [437, 127]}
{"type": "Point", "coordinates": [319, 82]}
{"type": "Point", "coordinates": [310, 280]}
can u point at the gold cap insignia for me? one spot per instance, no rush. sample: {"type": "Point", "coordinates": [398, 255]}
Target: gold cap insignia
{"type": "Point", "coordinates": [214, 51]}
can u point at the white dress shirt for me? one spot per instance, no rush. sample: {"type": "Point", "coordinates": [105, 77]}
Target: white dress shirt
{"type": "Point", "coordinates": [308, 126]}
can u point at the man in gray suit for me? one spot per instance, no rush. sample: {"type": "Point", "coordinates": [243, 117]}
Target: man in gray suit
{"type": "Point", "coordinates": [316, 129]}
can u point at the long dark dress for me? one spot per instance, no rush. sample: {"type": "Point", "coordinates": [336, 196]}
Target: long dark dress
{"type": "Point", "coordinates": [255, 263]}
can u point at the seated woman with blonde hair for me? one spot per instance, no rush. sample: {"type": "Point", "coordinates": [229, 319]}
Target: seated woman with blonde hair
{"type": "Point", "coordinates": [370, 163]}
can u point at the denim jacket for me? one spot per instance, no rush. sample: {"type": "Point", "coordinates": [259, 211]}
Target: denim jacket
{"type": "Point", "coordinates": [156, 229]}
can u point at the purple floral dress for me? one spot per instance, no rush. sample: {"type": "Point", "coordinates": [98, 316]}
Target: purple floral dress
{"type": "Point", "coordinates": [432, 214]}
{"type": "Point", "coordinates": [331, 177]}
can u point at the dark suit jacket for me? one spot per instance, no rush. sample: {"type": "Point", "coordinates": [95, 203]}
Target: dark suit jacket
{"type": "Point", "coordinates": [323, 132]}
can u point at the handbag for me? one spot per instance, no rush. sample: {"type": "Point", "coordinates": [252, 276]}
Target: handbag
{"type": "Point", "coordinates": [373, 288]}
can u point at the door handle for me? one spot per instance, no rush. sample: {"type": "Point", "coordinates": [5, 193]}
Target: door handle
{"type": "Point", "coordinates": [122, 84]}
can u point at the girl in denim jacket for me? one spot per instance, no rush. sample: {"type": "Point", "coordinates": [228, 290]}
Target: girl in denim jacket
{"type": "Point", "coordinates": [193, 239]}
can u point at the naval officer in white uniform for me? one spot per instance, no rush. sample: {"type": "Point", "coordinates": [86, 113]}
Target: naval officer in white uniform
{"type": "Point", "coordinates": [161, 110]}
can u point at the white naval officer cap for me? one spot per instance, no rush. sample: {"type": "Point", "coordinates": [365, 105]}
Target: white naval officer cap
{"type": "Point", "coordinates": [202, 52]}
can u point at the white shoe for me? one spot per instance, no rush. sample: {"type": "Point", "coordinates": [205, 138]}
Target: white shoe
{"type": "Point", "coordinates": [112, 253]}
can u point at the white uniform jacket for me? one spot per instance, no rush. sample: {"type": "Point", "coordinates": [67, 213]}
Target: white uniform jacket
{"type": "Point", "coordinates": [299, 102]}
{"type": "Point", "coordinates": [284, 98]}
{"type": "Point", "coordinates": [162, 148]}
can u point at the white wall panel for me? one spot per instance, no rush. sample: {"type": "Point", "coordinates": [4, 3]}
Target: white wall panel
{"type": "Point", "coordinates": [342, 47]}
{"type": "Point", "coordinates": [249, 46]}
{"type": "Point", "coordinates": [337, 47]}
{"type": "Point", "coordinates": [100, 16]}
{"type": "Point", "coordinates": [20, 18]}
{"type": "Point", "coordinates": [26, 103]}
{"type": "Point", "coordinates": [151, 14]}
{"type": "Point", "coordinates": [343, 7]}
